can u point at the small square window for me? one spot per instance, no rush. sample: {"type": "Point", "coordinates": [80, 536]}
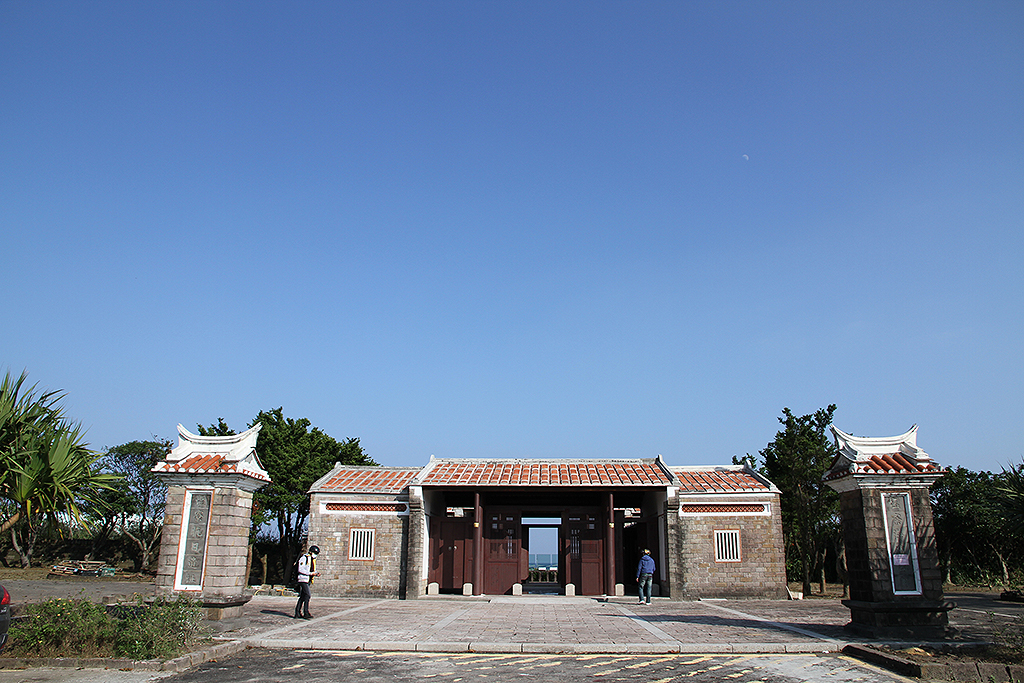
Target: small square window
{"type": "Point", "coordinates": [727, 546]}
{"type": "Point", "coordinates": [360, 544]}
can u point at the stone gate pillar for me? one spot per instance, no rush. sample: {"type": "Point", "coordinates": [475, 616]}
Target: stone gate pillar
{"type": "Point", "coordinates": [891, 558]}
{"type": "Point", "coordinates": [205, 542]}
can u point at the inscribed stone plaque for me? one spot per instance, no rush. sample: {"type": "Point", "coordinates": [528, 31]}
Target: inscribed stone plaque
{"type": "Point", "coordinates": [195, 540]}
{"type": "Point", "coordinates": [899, 529]}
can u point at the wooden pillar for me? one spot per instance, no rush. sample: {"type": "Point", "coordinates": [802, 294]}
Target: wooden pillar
{"type": "Point", "coordinates": [609, 545]}
{"type": "Point", "coordinates": [478, 545]}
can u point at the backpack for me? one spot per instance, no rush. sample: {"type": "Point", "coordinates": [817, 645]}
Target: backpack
{"type": "Point", "coordinates": [293, 577]}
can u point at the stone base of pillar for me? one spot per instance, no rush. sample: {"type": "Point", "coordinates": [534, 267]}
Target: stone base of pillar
{"type": "Point", "coordinates": [218, 607]}
{"type": "Point", "coordinates": [919, 620]}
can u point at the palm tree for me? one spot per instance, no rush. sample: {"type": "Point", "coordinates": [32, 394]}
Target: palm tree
{"type": "Point", "coordinates": [45, 466]}
{"type": "Point", "coordinates": [1011, 498]}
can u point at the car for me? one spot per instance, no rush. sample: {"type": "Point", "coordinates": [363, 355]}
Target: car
{"type": "Point", "coordinates": [5, 615]}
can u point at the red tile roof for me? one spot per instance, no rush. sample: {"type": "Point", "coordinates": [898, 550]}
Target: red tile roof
{"type": "Point", "coordinates": [891, 463]}
{"type": "Point", "coordinates": [545, 473]}
{"type": "Point", "coordinates": [207, 463]}
{"type": "Point", "coordinates": [699, 481]}
{"type": "Point", "coordinates": [370, 479]}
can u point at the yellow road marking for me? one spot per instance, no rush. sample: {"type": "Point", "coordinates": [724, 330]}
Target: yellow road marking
{"type": "Point", "coordinates": [613, 660]}
{"type": "Point", "coordinates": [640, 665]}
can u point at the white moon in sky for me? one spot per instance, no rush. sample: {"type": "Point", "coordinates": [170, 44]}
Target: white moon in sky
{"type": "Point", "coordinates": [746, 158]}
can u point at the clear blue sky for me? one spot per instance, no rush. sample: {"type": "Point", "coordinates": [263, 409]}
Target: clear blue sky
{"type": "Point", "coordinates": [520, 229]}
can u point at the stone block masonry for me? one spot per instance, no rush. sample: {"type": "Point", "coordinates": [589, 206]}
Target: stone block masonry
{"type": "Point", "coordinates": [758, 570]}
{"type": "Point", "coordinates": [363, 545]}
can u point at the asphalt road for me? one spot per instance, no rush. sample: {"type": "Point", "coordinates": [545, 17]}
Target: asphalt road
{"type": "Point", "coordinates": [308, 666]}
{"type": "Point", "coordinates": [272, 666]}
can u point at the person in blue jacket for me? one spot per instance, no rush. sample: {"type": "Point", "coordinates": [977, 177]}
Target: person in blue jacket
{"type": "Point", "coordinates": [644, 576]}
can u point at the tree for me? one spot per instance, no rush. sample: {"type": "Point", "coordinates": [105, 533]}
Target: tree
{"type": "Point", "coordinates": [795, 462]}
{"type": "Point", "coordinates": [1010, 495]}
{"type": "Point", "coordinates": [46, 469]}
{"type": "Point", "coordinates": [974, 526]}
{"type": "Point", "coordinates": [142, 516]}
{"type": "Point", "coordinates": [219, 429]}
{"type": "Point", "coordinates": [106, 513]}
{"type": "Point", "coordinates": [295, 456]}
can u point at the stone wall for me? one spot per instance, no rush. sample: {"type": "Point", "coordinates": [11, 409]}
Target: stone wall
{"type": "Point", "coordinates": [384, 576]}
{"type": "Point", "coordinates": [228, 544]}
{"type": "Point", "coordinates": [761, 569]}
{"type": "Point", "coordinates": [867, 554]}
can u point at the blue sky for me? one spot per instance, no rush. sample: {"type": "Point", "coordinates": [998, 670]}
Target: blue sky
{"type": "Point", "coordinates": [520, 229]}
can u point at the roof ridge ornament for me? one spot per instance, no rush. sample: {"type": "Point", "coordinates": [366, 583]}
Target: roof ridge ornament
{"type": "Point", "coordinates": [879, 460]}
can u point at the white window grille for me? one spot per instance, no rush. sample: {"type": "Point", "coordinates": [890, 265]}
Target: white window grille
{"type": "Point", "coordinates": [360, 544]}
{"type": "Point", "coordinates": [727, 546]}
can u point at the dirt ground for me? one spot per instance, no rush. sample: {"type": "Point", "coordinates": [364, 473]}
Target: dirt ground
{"type": "Point", "coordinates": [28, 586]}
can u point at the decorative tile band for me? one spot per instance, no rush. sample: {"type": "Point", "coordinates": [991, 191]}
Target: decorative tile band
{"type": "Point", "coordinates": [394, 508]}
{"type": "Point", "coordinates": [725, 509]}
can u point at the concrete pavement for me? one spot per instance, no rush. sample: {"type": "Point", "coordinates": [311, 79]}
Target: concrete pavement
{"type": "Point", "coordinates": [545, 624]}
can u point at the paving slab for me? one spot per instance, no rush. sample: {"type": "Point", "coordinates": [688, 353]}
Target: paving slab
{"type": "Point", "coordinates": [542, 625]}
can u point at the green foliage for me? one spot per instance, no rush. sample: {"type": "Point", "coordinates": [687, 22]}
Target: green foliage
{"type": "Point", "coordinates": [977, 533]}
{"type": "Point", "coordinates": [162, 629]}
{"type": "Point", "coordinates": [295, 456]}
{"type": "Point", "coordinates": [79, 628]}
{"type": "Point", "coordinates": [45, 467]}
{"type": "Point", "coordinates": [795, 462]}
{"type": "Point", "coordinates": [1010, 496]}
{"type": "Point", "coordinates": [60, 627]}
{"type": "Point", "coordinates": [139, 500]}
{"type": "Point", "coordinates": [219, 429]}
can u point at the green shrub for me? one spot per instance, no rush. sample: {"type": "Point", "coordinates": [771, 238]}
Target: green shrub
{"type": "Point", "coordinates": [79, 628]}
{"type": "Point", "coordinates": [161, 630]}
{"type": "Point", "coordinates": [58, 627]}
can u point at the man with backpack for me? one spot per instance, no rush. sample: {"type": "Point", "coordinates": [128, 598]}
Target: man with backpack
{"type": "Point", "coordinates": [306, 569]}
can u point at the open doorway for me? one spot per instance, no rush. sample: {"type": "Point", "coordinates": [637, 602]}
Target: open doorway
{"type": "Point", "coordinates": [540, 538]}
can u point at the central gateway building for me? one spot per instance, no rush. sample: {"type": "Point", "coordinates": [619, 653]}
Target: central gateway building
{"type": "Point", "coordinates": [464, 526]}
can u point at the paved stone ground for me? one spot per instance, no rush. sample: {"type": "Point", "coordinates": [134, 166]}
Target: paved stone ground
{"type": "Point", "coordinates": [527, 622]}
{"type": "Point", "coordinates": [533, 623]}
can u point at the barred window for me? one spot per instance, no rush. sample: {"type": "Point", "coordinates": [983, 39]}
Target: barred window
{"type": "Point", "coordinates": [727, 546]}
{"type": "Point", "coordinates": [360, 544]}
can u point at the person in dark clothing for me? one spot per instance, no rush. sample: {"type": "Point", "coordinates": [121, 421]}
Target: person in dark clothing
{"type": "Point", "coordinates": [644, 576]}
{"type": "Point", "coordinates": [307, 570]}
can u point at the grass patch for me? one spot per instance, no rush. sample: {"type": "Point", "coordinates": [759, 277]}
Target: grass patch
{"type": "Point", "coordinates": [78, 628]}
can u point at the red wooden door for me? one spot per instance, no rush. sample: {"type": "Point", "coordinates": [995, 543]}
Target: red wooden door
{"type": "Point", "coordinates": [451, 552]}
{"type": "Point", "coordinates": [503, 551]}
{"type": "Point", "coordinates": [583, 552]}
